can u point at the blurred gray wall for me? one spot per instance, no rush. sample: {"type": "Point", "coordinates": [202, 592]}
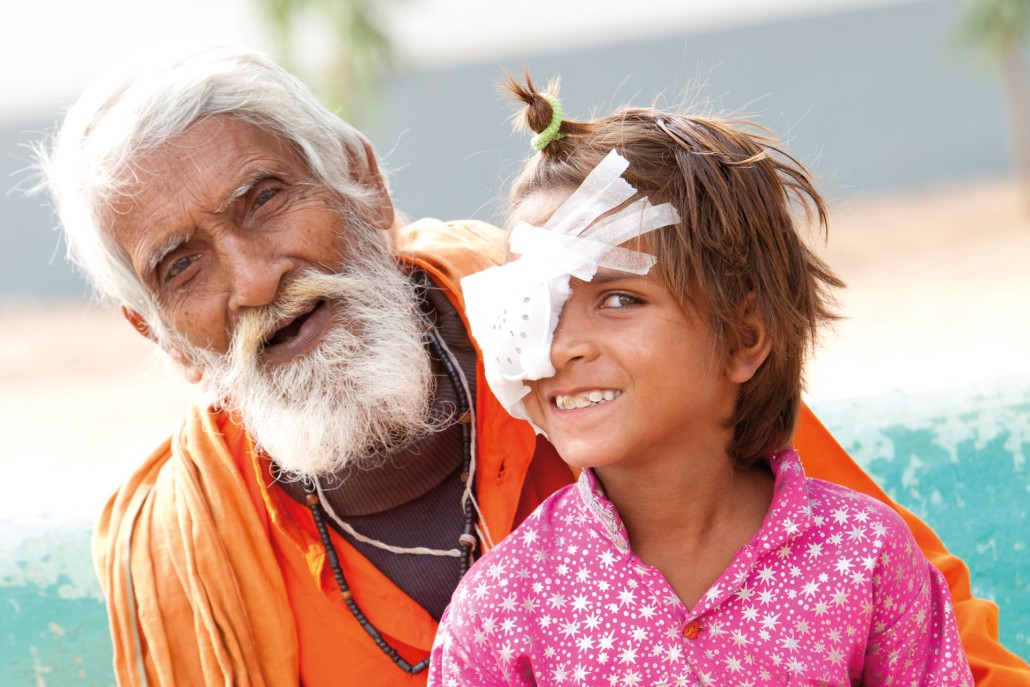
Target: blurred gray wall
{"type": "Point", "coordinates": [872, 99]}
{"type": "Point", "coordinates": [32, 263]}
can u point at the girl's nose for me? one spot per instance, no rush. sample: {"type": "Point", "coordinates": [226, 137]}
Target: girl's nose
{"type": "Point", "coordinates": [573, 339]}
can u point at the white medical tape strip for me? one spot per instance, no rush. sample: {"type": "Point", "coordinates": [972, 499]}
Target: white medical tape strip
{"type": "Point", "coordinates": [525, 239]}
{"type": "Point", "coordinates": [636, 219]}
{"type": "Point", "coordinates": [606, 175]}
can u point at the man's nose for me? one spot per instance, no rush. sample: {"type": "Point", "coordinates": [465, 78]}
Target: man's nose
{"type": "Point", "coordinates": [255, 273]}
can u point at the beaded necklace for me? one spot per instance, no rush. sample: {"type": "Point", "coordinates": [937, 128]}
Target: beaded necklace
{"type": "Point", "coordinates": [467, 540]}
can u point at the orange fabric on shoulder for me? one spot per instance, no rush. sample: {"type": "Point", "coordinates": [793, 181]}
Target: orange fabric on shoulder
{"type": "Point", "coordinates": [194, 593]}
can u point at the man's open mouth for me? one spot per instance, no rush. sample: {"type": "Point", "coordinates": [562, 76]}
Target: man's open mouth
{"type": "Point", "coordinates": [300, 335]}
{"type": "Point", "coordinates": [293, 328]}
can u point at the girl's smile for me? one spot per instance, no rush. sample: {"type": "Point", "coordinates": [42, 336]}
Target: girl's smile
{"type": "Point", "coordinates": [585, 399]}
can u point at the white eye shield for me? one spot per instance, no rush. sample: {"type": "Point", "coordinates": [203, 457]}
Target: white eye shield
{"type": "Point", "coordinates": [513, 309]}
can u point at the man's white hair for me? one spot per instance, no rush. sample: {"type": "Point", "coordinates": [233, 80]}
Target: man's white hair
{"type": "Point", "coordinates": [141, 105]}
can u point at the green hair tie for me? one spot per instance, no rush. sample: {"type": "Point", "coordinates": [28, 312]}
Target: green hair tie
{"type": "Point", "coordinates": [545, 137]}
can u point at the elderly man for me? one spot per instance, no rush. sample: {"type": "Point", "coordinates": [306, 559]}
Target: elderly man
{"type": "Point", "coordinates": [308, 526]}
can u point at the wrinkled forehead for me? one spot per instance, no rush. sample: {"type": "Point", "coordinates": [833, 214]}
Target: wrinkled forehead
{"type": "Point", "coordinates": [218, 137]}
{"type": "Point", "coordinates": [213, 154]}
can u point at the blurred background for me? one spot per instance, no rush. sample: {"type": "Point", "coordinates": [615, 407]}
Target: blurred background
{"type": "Point", "coordinates": [914, 115]}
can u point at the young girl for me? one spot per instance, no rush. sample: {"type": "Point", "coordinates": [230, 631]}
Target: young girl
{"type": "Point", "coordinates": [654, 328]}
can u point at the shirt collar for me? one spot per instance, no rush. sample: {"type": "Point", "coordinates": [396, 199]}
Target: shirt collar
{"type": "Point", "coordinates": [789, 514]}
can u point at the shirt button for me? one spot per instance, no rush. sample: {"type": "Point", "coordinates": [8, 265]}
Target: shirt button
{"type": "Point", "coordinates": [692, 630]}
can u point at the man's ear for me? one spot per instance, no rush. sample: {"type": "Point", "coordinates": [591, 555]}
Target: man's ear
{"type": "Point", "coordinates": [753, 348]}
{"type": "Point", "coordinates": [381, 207]}
{"type": "Point", "coordinates": [137, 322]}
{"type": "Point", "coordinates": [191, 372]}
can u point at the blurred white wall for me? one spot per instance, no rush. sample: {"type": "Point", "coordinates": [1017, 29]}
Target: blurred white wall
{"type": "Point", "coordinates": [49, 49]}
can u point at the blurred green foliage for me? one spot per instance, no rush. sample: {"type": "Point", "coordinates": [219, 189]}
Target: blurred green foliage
{"type": "Point", "coordinates": [995, 26]}
{"type": "Point", "coordinates": [359, 50]}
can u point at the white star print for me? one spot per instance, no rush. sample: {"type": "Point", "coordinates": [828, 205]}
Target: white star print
{"type": "Point", "coordinates": [556, 601]}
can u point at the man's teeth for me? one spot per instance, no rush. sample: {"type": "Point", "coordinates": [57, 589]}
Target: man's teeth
{"type": "Point", "coordinates": [587, 398]}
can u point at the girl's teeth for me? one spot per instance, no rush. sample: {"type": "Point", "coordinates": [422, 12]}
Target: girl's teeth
{"type": "Point", "coordinates": [585, 399]}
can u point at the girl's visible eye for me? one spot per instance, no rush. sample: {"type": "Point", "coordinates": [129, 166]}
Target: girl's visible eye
{"type": "Point", "coordinates": [619, 300]}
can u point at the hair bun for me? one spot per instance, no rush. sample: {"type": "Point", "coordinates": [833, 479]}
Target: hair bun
{"type": "Point", "coordinates": [543, 113]}
{"type": "Point", "coordinates": [551, 132]}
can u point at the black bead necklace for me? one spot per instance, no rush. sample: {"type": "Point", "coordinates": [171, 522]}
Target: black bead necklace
{"type": "Point", "coordinates": [467, 541]}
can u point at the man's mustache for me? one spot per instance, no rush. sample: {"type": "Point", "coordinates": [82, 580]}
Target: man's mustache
{"type": "Point", "coordinates": [299, 294]}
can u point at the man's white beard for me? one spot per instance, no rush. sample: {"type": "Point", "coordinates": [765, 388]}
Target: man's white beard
{"type": "Point", "coordinates": [363, 392]}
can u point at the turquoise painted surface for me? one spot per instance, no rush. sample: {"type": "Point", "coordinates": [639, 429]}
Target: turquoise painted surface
{"type": "Point", "coordinates": [957, 459]}
{"type": "Point", "coordinates": [53, 622]}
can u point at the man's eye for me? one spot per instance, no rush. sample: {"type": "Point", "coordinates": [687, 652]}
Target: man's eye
{"type": "Point", "coordinates": [178, 266]}
{"type": "Point", "coordinates": [264, 196]}
{"type": "Point", "coordinates": [618, 300]}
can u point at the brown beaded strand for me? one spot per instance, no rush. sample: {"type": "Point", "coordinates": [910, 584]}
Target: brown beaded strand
{"type": "Point", "coordinates": [341, 582]}
{"type": "Point", "coordinates": [466, 540]}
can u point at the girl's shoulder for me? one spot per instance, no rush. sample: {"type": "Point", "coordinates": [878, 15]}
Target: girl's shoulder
{"type": "Point", "coordinates": [860, 538]}
{"type": "Point", "coordinates": [853, 514]}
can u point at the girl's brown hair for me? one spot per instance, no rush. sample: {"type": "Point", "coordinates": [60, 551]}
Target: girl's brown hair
{"type": "Point", "coordinates": [736, 252]}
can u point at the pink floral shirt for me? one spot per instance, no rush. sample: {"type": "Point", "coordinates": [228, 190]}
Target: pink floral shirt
{"type": "Point", "coordinates": [833, 590]}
